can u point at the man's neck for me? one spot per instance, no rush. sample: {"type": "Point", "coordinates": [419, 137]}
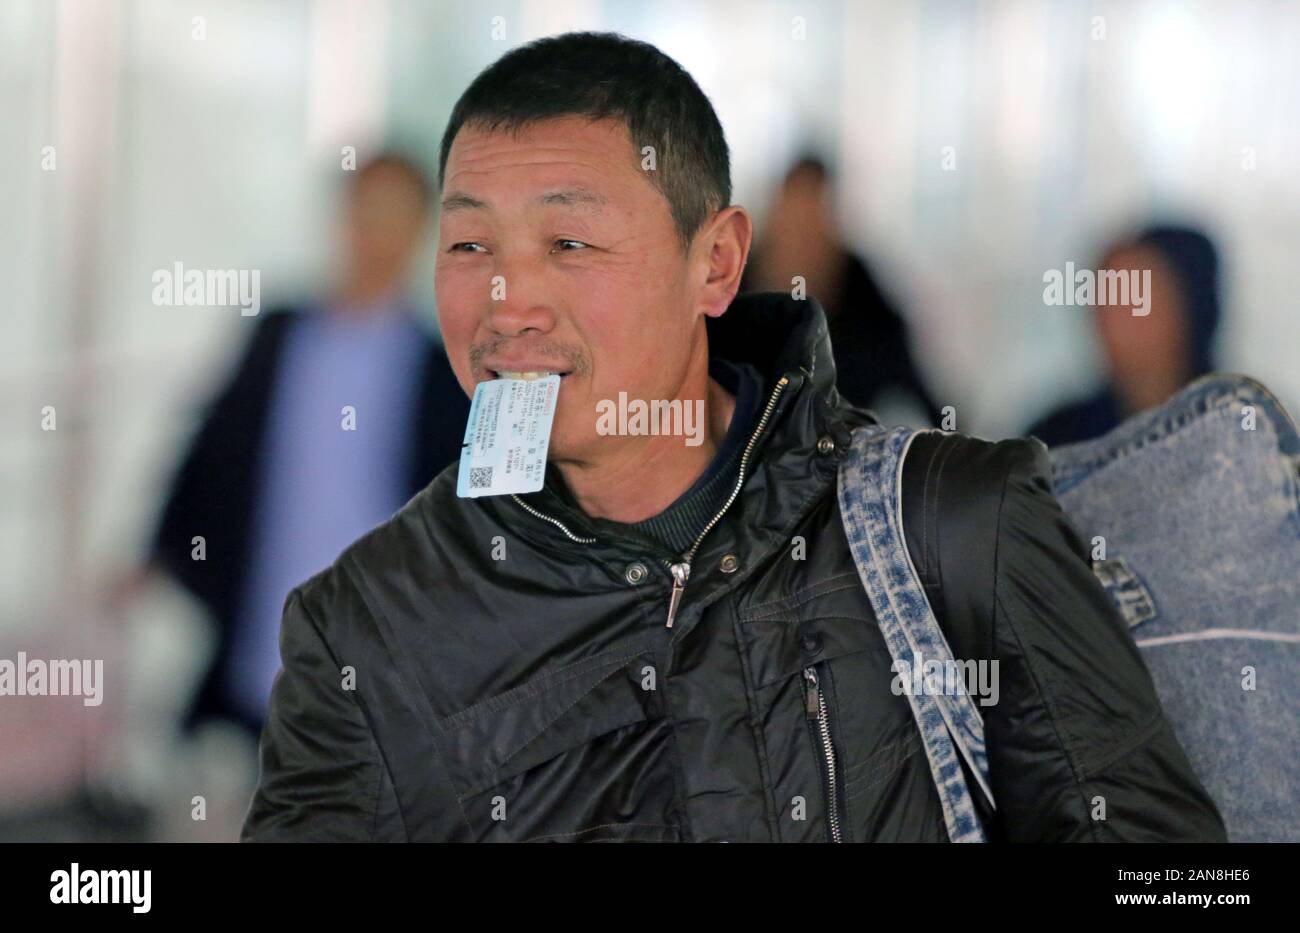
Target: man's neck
{"type": "Point", "coordinates": [642, 479]}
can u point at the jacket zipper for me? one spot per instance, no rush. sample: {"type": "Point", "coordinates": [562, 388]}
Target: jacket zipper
{"type": "Point", "coordinates": [681, 570]}
{"type": "Point", "coordinates": [815, 710]}
{"type": "Point", "coordinates": [554, 521]}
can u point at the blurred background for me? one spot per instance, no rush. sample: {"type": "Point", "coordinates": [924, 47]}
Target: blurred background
{"type": "Point", "coordinates": [938, 159]}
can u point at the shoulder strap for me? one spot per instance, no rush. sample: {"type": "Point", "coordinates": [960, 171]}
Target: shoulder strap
{"type": "Point", "coordinates": [870, 480]}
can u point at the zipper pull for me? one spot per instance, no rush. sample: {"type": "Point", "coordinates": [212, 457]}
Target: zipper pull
{"type": "Point", "coordinates": [681, 573]}
{"type": "Point", "coordinates": [811, 694]}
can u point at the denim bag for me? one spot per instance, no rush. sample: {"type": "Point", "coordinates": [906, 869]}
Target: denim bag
{"type": "Point", "coordinates": [1193, 510]}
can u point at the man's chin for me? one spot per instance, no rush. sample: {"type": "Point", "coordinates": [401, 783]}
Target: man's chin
{"type": "Point", "coordinates": [568, 449]}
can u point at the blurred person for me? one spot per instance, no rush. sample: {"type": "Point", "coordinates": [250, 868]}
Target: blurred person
{"type": "Point", "coordinates": [1147, 357]}
{"type": "Point", "coordinates": [671, 642]}
{"type": "Point", "coordinates": [869, 336]}
{"type": "Point", "coordinates": [337, 413]}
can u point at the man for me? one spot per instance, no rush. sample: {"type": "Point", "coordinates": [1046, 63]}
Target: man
{"type": "Point", "coordinates": [670, 641]}
{"type": "Point", "coordinates": [278, 480]}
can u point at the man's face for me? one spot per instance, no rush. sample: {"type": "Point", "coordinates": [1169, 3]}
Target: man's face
{"type": "Point", "coordinates": [556, 254]}
{"type": "Point", "coordinates": [383, 222]}
{"type": "Point", "coordinates": [1148, 355]}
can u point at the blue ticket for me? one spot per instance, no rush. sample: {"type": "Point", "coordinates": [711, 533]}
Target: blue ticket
{"type": "Point", "coordinates": [507, 436]}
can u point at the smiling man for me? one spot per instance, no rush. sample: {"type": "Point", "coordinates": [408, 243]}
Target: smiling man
{"type": "Point", "coordinates": [670, 641]}
{"type": "Point", "coordinates": [598, 281]}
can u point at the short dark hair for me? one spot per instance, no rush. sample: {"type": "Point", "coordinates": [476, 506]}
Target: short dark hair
{"type": "Point", "coordinates": [604, 74]}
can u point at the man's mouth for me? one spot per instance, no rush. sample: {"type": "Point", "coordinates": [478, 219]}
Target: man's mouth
{"type": "Point", "coordinates": [525, 374]}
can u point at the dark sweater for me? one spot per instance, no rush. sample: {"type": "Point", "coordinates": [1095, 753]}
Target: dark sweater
{"type": "Point", "coordinates": [677, 526]}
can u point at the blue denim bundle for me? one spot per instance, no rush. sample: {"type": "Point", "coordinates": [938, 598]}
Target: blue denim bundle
{"type": "Point", "coordinates": [1198, 503]}
{"type": "Point", "coordinates": [1193, 513]}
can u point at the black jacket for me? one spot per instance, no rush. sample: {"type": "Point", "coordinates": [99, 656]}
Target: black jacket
{"type": "Point", "coordinates": [216, 489]}
{"type": "Point", "coordinates": [432, 692]}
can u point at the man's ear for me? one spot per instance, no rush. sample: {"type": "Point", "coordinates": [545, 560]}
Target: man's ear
{"type": "Point", "coordinates": [721, 250]}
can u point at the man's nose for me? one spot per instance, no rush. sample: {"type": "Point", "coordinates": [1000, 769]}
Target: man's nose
{"type": "Point", "coordinates": [518, 303]}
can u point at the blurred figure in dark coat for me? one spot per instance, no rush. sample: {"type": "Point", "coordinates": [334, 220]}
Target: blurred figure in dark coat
{"type": "Point", "coordinates": [868, 336]}
{"type": "Point", "coordinates": [337, 413]}
{"type": "Point", "coordinates": [1148, 357]}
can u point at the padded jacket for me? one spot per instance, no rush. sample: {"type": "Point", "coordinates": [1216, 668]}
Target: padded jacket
{"type": "Point", "coordinates": [501, 668]}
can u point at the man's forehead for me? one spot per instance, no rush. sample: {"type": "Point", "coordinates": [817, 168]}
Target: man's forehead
{"type": "Point", "coordinates": [574, 196]}
{"type": "Point", "coordinates": [573, 148]}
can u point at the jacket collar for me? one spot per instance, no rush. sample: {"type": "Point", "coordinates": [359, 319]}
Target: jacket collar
{"type": "Point", "coordinates": [778, 335]}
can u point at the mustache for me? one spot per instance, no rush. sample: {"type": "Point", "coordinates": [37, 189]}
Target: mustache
{"type": "Point", "coordinates": [573, 358]}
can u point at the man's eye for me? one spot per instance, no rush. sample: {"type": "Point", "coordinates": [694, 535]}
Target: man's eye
{"type": "Point", "coordinates": [568, 246]}
{"type": "Point", "coordinates": [467, 247]}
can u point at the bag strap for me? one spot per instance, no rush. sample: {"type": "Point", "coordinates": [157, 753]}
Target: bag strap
{"type": "Point", "coordinates": [870, 480]}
